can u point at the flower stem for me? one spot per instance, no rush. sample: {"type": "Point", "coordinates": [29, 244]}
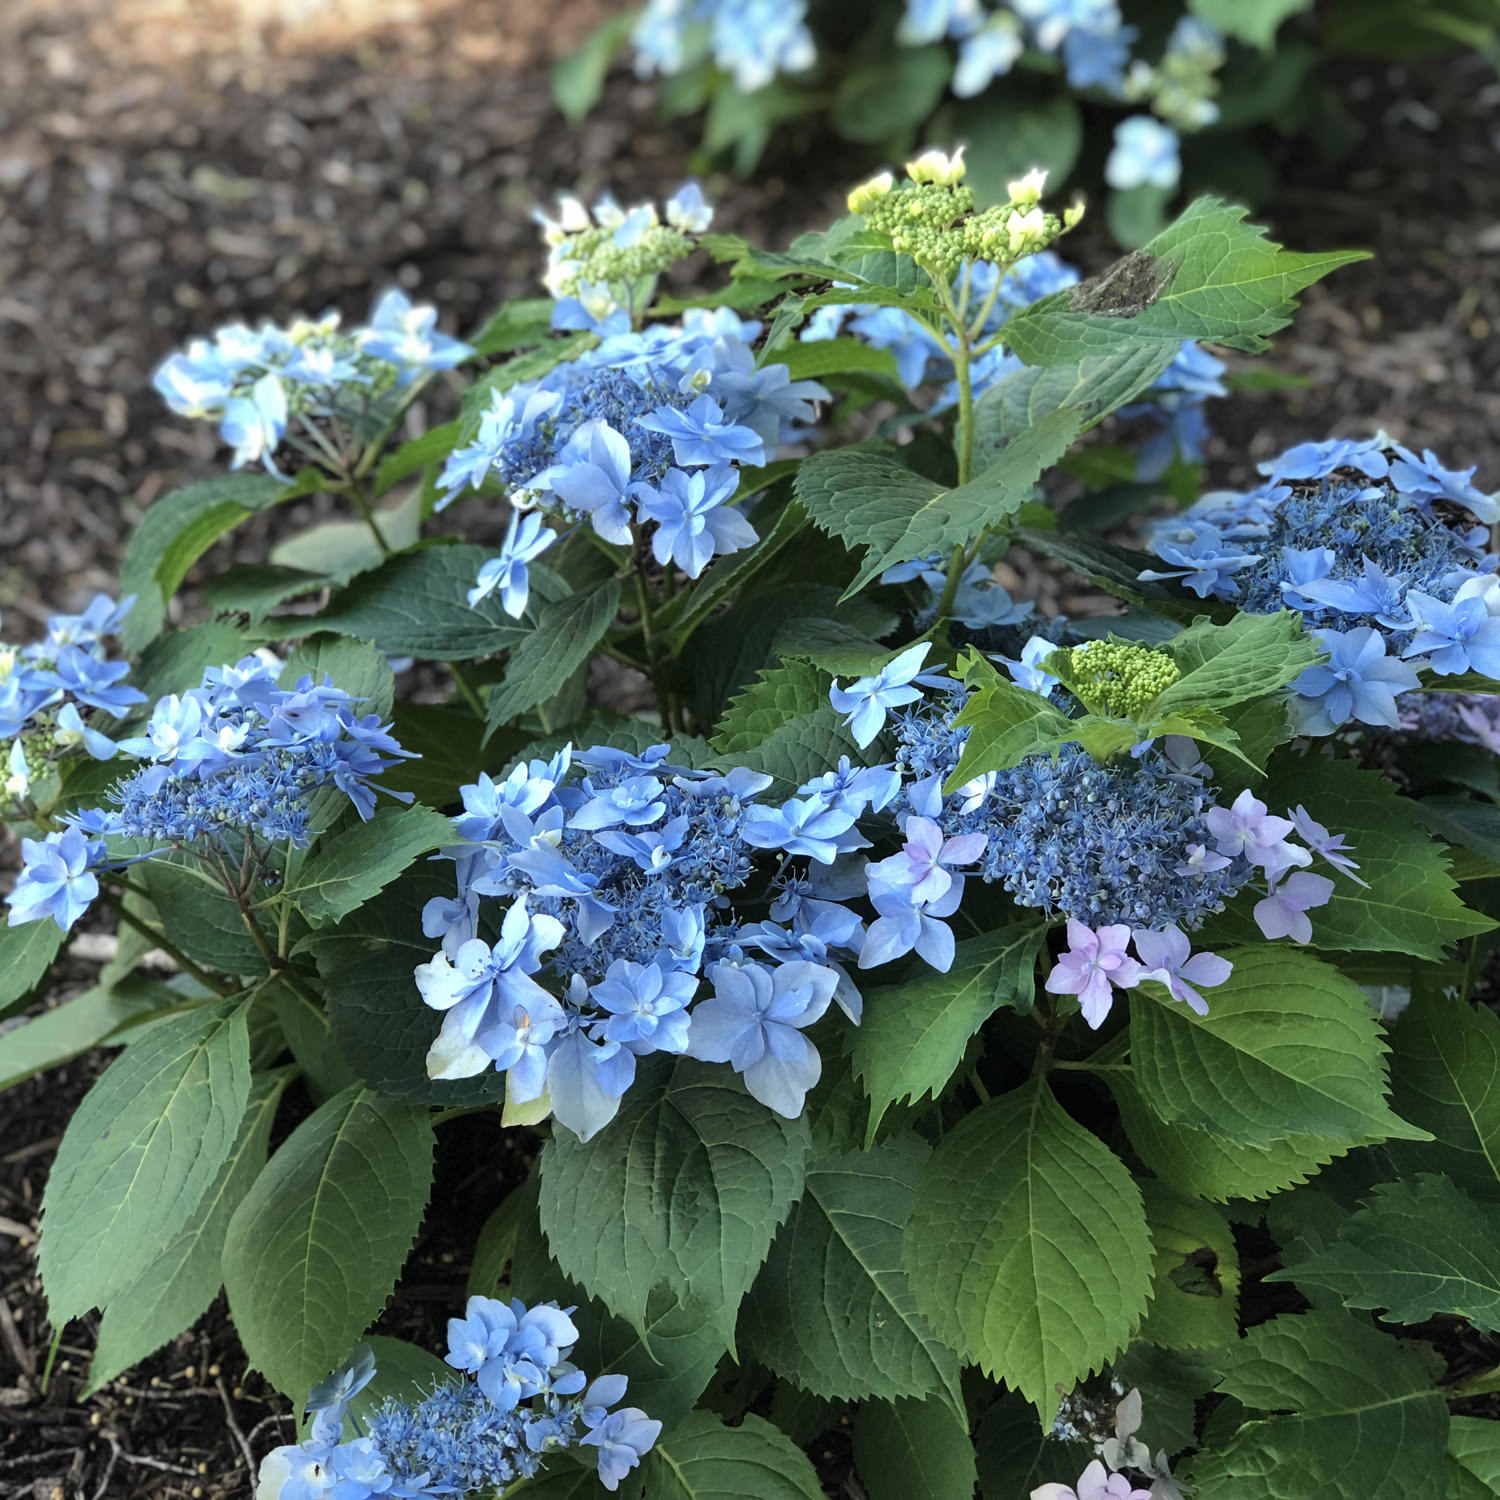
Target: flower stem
{"type": "Point", "coordinates": [160, 940]}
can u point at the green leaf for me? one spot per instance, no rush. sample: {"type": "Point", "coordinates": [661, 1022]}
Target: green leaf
{"type": "Point", "coordinates": [178, 529]}
{"type": "Point", "coordinates": [342, 549]}
{"type": "Point", "coordinates": [356, 666]}
{"type": "Point", "coordinates": [1209, 276]}
{"type": "Point", "coordinates": [1014, 1456]}
{"type": "Point", "coordinates": [685, 1188]}
{"type": "Point", "coordinates": [821, 358]}
{"type": "Point", "coordinates": [185, 1276]}
{"type": "Point", "coordinates": [1289, 1047]}
{"type": "Point", "coordinates": [1223, 665]}
{"type": "Point", "coordinates": [1254, 23]}
{"type": "Point", "coordinates": [1416, 1249]}
{"type": "Point", "coordinates": [802, 748]}
{"type": "Point", "coordinates": [1411, 905]}
{"type": "Point", "coordinates": [317, 1243]}
{"type": "Point", "coordinates": [1206, 1165]}
{"type": "Point", "coordinates": [417, 604]}
{"type": "Point", "coordinates": [432, 447]}
{"type": "Point", "coordinates": [1093, 387]}
{"type": "Point", "coordinates": [513, 325]}
{"type": "Point", "coordinates": [1474, 1442]}
{"type": "Point", "coordinates": [1006, 723]}
{"type": "Point", "coordinates": [779, 694]}
{"type": "Point", "coordinates": [913, 1035]}
{"type": "Point", "coordinates": [872, 502]}
{"type": "Point", "coordinates": [379, 1022]}
{"type": "Point", "coordinates": [1028, 1250]}
{"type": "Point", "coordinates": [205, 921]}
{"type": "Point", "coordinates": [450, 751]}
{"type": "Point", "coordinates": [1008, 134]}
{"type": "Point", "coordinates": [345, 872]}
{"type": "Point", "coordinates": [914, 1450]}
{"type": "Point", "coordinates": [578, 80]}
{"type": "Point", "coordinates": [81, 1022]}
{"type": "Point", "coordinates": [831, 1310]}
{"type": "Point", "coordinates": [669, 1360]}
{"type": "Point", "coordinates": [565, 637]}
{"type": "Point", "coordinates": [705, 1460]}
{"type": "Point", "coordinates": [895, 93]}
{"type": "Point", "coordinates": [1362, 1418]}
{"type": "Point", "coordinates": [1195, 1287]}
{"type": "Point", "coordinates": [140, 1153]}
{"type": "Point", "coordinates": [255, 589]}
{"type": "Point", "coordinates": [26, 953]}
{"type": "Point", "coordinates": [309, 1036]}
{"type": "Point", "coordinates": [403, 1372]}
{"type": "Point", "coordinates": [1446, 1078]}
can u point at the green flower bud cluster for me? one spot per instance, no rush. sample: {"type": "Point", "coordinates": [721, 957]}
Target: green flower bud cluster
{"type": "Point", "coordinates": [592, 258]}
{"type": "Point", "coordinates": [932, 218]}
{"type": "Point", "coordinates": [1117, 678]}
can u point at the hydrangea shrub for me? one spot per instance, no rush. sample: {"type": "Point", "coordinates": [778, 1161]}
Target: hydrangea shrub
{"type": "Point", "coordinates": [1171, 87]}
{"type": "Point", "coordinates": [1005, 1036]}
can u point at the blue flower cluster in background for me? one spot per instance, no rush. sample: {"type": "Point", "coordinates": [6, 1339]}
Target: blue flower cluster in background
{"type": "Point", "coordinates": [1386, 554]}
{"type": "Point", "coordinates": [519, 1400]}
{"type": "Point", "coordinates": [754, 41]}
{"type": "Point", "coordinates": [236, 760]}
{"type": "Point", "coordinates": [1174, 404]}
{"type": "Point", "coordinates": [757, 41]}
{"type": "Point", "coordinates": [53, 690]}
{"type": "Point", "coordinates": [310, 385]}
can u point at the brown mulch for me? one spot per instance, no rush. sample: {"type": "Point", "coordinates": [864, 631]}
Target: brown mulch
{"type": "Point", "coordinates": [166, 165]}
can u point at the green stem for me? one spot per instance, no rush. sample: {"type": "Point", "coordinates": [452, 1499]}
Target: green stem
{"type": "Point", "coordinates": [160, 940]}
{"type": "Point", "coordinates": [1486, 1383]}
{"type": "Point", "coordinates": [664, 700]}
{"type": "Point", "coordinates": [1088, 1066]}
{"type": "Point", "coordinates": [362, 504]}
{"type": "Point", "coordinates": [467, 688]}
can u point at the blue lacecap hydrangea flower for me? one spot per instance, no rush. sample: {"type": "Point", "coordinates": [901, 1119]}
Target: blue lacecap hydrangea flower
{"type": "Point", "coordinates": [269, 385]}
{"type": "Point", "coordinates": [515, 1400]}
{"type": "Point", "coordinates": [648, 428]}
{"type": "Point", "coordinates": [236, 759]}
{"type": "Point", "coordinates": [1384, 552]}
{"type": "Point", "coordinates": [52, 691]}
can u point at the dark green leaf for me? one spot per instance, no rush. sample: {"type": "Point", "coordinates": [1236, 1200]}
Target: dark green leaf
{"type": "Point", "coordinates": [379, 1022]}
{"type": "Point", "coordinates": [1415, 1249]}
{"type": "Point", "coordinates": [705, 1460]}
{"type": "Point", "coordinates": [344, 873]}
{"type": "Point", "coordinates": [831, 1310]}
{"type": "Point", "coordinates": [1028, 1250]}
{"type": "Point", "coordinates": [1209, 276]}
{"type": "Point", "coordinates": [1362, 1415]}
{"type": "Point", "coordinates": [913, 1035]}
{"type": "Point", "coordinates": [317, 1243]}
{"type": "Point", "coordinates": [185, 1276]}
{"type": "Point", "coordinates": [417, 605]}
{"type": "Point", "coordinates": [1289, 1047]}
{"type": "Point", "coordinates": [685, 1188]}
{"type": "Point", "coordinates": [140, 1153]}
{"type": "Point", "coordinates": [565, 637]}
{"type": "Point", "coordinates": [914, 1450]}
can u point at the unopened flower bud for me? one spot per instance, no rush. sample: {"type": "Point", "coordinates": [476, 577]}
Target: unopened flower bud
{"type": "Point", "coordinates": [938, 167]}
{"type": "Point", "coordinates": [1028, 189]}
{"type": "Point", "coordinates": [867, 193]}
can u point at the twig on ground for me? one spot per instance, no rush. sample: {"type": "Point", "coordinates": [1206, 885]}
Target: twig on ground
{"type": "Point", "coordinates": [234, 1428]}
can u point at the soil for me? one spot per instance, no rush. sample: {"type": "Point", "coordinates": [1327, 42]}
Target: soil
{"type": "Point", "coordinates": [166, 165]}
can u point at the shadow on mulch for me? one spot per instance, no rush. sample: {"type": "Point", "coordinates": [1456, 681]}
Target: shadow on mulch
{"type": "Point", "coordinates": [164, 167]}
